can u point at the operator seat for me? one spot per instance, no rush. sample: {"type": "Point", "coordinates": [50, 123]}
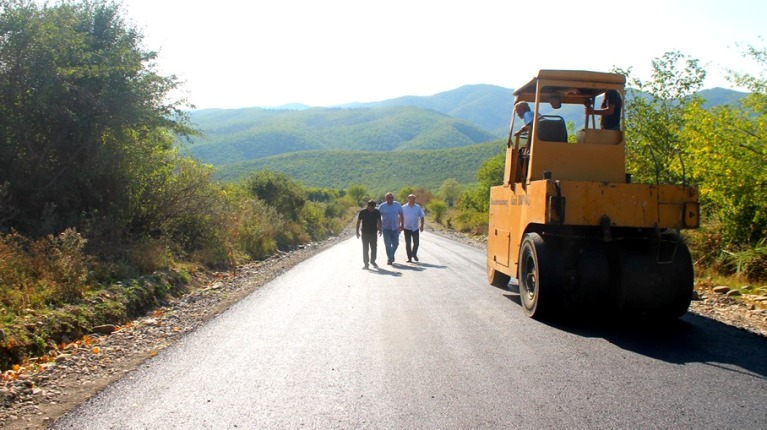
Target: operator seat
{"type": "Point", "coordinates": [552, 128]}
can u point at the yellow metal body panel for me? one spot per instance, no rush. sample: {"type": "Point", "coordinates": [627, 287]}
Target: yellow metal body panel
{"type": "Point", "coordinates": [578, 161]}
{"type": "Point", "coordinates": [514, 209]}
{"type": "Point", "coordinates": [510, 213]}
{"type": "Point", "coordinates": [628, 205]}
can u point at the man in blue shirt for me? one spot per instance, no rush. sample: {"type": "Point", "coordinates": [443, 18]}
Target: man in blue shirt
{"type": "Point", "coordinates": [392, 222]}
{"type": "Point", "coordinates": [526, 114]}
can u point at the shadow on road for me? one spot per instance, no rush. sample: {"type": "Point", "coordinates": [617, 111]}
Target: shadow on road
{"type": "Point", "coordinates": [381, 271]}
{"type": "Point", "coordinates": [409, 266]}
{"type": "Point", "coordinates": [429, 265]}
{"type": "Point", "coordinates": [397, 268]}
{"type": "Point", "coordinates": [514, 288]}
{"type": "Point", "coordinates": [691, 339]}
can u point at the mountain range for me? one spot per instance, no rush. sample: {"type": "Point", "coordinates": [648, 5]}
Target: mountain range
{"type": "Point", "coordinates": [384, 145]}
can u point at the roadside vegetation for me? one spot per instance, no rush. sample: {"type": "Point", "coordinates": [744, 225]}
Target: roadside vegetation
{"type": "Point", "coordinates": [102, 217]}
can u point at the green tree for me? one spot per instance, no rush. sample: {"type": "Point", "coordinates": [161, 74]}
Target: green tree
{"type": "Point", "coordinates": [84, 121]}
{"type": "Point", "coordinates": [423, 196]}
{"type": "Point", "coordinates": [655, 116]}
{"type": "Point", "coordinates": [316, 194]}
{"type": "Point", "coordinates": [279, 191]}
{"type": "Point", "coordinates": [402, 194]}
{"type": "Point", "coordinates": [450, 190]}
{"type": "Point", "coordinates": [489, 174]}
{"type": "Point", "coordinates": [358, 193]}
{"type": "Point", "coordinates": [728, 152]}
{"type": "Point", "coordinates": [438, 208]}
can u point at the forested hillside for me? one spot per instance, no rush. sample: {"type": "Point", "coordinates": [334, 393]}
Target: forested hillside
{"type": "Point", "coordinates": [379, 172]}
{"type": "Point", "coordinates": [247, 134]}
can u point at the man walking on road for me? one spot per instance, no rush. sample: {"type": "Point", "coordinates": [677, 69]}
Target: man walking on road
{"type": "Point", "coordinates": [393, 223]}
{"type": "Point", "coordinates": [370, 218]}
{"type": "Point", "coordinates": [413, 224]}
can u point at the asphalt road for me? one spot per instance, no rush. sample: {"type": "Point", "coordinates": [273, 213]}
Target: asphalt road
{"type": "Point", "coordinates": [431, 345]}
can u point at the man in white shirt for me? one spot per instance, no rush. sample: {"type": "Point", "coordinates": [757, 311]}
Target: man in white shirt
{"type": "Point", "coordinates": [392, 224]}
{"type": "Point", "coordinates": [413, 224]}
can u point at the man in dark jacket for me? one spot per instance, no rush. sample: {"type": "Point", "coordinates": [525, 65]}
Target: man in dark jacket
{"type": "Point", "coordinates": [370, 219]}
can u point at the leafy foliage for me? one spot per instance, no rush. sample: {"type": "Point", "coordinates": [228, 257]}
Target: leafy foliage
{"type": "Point", "coordinates": [438, 208]}
{"type": "Point", "coordinates": [471, 216]}
{"type": "Point", "coordinates": [423, 196]}
{"type": "Point", "coordinates": [81, 113]}
{"type": "Point", "coordinates": [277, 190]}
{"type": "Point", "coordinates": [655, 117]}
{"type": "Point", "coordinates": [728, 149]}
{"type": "Point", "coordinates": [94, 194]}
{"type": "Point", "coordinates": [53, 269]}
{"type": "Point", "coordinates": [379, 172]}
{"type": "Point", "coordinates": [254, 229]}
{"type": "Point", "coordinates": [450, 190]}
{"type": "Point", "coordinates": [358, 193]}
{"type": "Point", "coordinates": [488, 175]}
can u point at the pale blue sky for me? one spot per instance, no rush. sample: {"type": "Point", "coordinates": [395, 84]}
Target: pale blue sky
{"type": "Point", "coordinates": [242, 53]}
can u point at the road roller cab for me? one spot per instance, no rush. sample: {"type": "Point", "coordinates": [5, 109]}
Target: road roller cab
{"type": "Point", "coordinates": [568, 222]}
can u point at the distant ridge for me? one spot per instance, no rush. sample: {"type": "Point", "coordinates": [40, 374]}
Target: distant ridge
{"type": "Point", "coordinates": [290, 106]}
{"type": "Point", "coordinates": [487, 106]}
{"type": "Point", "coordinates": [720, 96]}
{"type": "Point", "coordinates": [330, 146]}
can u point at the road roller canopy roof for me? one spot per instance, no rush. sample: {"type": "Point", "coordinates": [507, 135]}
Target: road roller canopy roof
{"type": "Point", "coordinates": [569, 86]}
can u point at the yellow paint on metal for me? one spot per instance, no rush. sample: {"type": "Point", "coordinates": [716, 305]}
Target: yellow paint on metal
{"type": "Point", "coordinates": [580, 184]}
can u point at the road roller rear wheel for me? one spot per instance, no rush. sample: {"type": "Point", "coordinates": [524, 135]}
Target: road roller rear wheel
{"type": "Point", "coordinates": [681, 278]}
{"type": "Point", "coordinates": [656, 277]}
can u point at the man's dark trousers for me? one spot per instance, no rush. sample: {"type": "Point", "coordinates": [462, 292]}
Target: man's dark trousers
{"type": "Point", "coordinates": [369, 247]}
{"type": "Point", "coordinates": [411, 235]}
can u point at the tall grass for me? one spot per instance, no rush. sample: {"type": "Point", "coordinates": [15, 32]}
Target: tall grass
{"type": "Point", "coordinates": [48, 271]}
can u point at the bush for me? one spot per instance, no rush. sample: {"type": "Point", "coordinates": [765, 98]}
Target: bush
{"type": "Point", "coordinates": [254, 229]}
{"type": "Point", "coordinates": [313, 221]}
{"type": "Point", "coordinates": [279, 191]}
{"type": "Point", "coordinates": [470, 221]}
{"type": "Point", "coordinates": [149, 255]}
{"type": "Point", "coordinates": [438, 208]}
{"type": "Point", "coordinates": [52, 270]}
{"type": "Point", "coordinates": [711, 252]}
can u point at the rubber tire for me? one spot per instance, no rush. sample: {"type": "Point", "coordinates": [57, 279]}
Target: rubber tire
{"type": "Point", "coordinates": [682, 278]}
{"type": "Point", "coordinates": [658, 291]}
{"type": "Point", "coordinates": [538, 276]}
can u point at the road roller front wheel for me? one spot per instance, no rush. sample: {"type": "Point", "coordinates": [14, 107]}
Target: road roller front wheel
{"type": "Point", "coordinates": [539, 279]}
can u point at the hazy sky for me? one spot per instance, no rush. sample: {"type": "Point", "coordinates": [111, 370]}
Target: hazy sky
{"type": "Point", "coordinates": [242, 53]}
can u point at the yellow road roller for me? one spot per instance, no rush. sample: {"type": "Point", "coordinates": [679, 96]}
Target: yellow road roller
{"type": "Point", "coordinates": [569, 223]}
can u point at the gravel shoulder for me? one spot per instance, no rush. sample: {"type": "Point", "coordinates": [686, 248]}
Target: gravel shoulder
{"type": "Point", "coordinates": [36, 395]}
